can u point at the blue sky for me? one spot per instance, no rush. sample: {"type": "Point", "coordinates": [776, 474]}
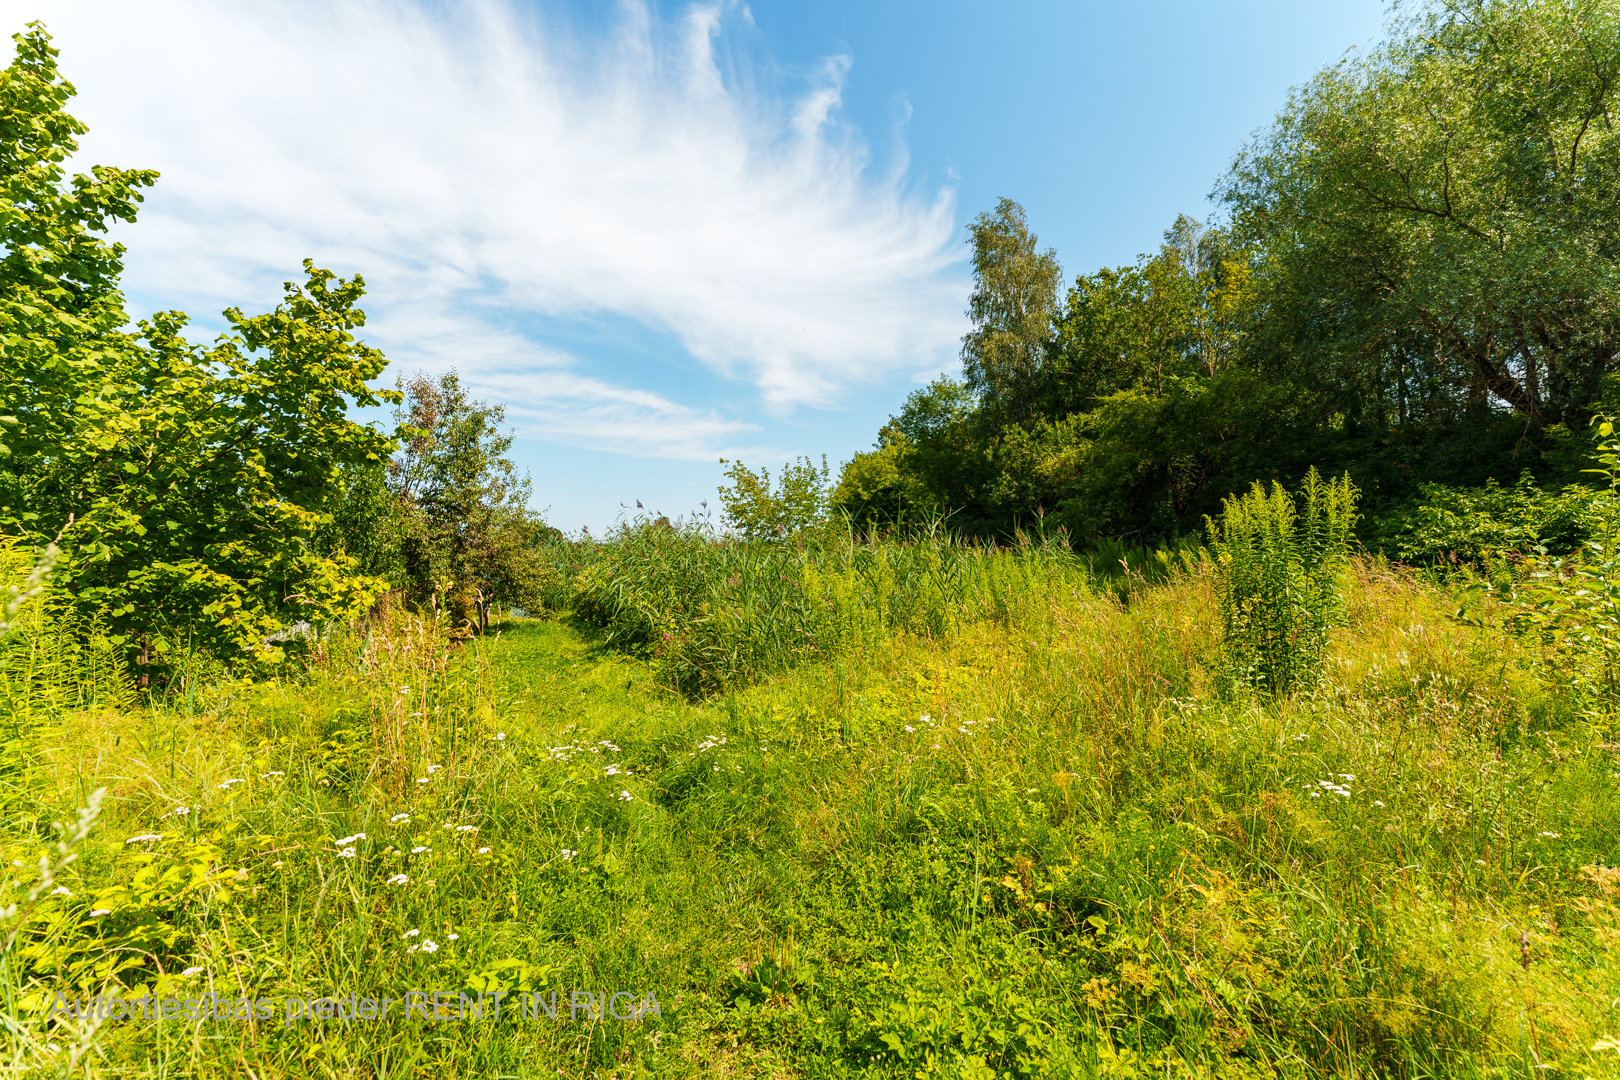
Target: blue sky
{"type": "Point", "coordinates": [665, 233]}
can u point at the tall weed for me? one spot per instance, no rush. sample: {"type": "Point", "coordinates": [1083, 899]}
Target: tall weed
{"type": "Point", "coordinates": [1277, 579]}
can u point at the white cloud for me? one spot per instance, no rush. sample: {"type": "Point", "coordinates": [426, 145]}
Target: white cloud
{"type": "Point", "coordinates": [488, 176]}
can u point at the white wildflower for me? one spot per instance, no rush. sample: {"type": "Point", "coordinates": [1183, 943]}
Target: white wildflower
{"type": "Point", "coordinates": [268, 775]}
{"type": "Point", "coordinates": [1551, 834]}
{"type": "Point", "coordinates": [453, 937]}
{"type": "Point", "coordinates": [190, 971]}
{"type": "Point", "coordinates": [346, 853]}
{"type": "Point", "coordinates": [484, 851]}
{"type": "Point", "coordinates": [397, 818]}
{"type": "Point", "coordinates": [466, 828]}
{"type": "Point", "coordinates": [228, 783]}
{"type": "Point", "coordinates": [412, 933]}
{"type": "Point", "coordinates": [910, 728]}
{"type": "Point", "coordinates": [419, 848]}
{"type": "Point", "coordinates": [61, 890]}
{"type": "Point", "coordinates": [625, 796]}
{"type": "Point", "coordinates": [566, 854]}
{"type": "Point", "coordinates": [144, 838]}
{"type": "Point", "coordinates": [347, 840]}
{"type": "Point", "coordinates": [428, 946]}
{"type": "Point", "coordinates": [100, 912]}
{"type": "Point", "coordinates": [398, 879]}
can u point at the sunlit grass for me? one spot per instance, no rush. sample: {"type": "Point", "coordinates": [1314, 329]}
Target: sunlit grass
{"type": "Point", "coordinates": [1036, 841]}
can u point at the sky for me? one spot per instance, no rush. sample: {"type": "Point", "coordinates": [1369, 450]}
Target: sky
{"type": "Point", "coordinates": [663, 234]}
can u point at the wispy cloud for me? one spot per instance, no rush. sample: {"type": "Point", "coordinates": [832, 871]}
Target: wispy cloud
{"type": "Point", "coordinates": [494, 179]}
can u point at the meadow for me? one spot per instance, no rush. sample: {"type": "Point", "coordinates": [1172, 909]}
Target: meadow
{"type": "Point", "coordinates": [841, 808]}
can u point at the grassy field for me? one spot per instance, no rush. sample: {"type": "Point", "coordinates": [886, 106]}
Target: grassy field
{"type": "Point", "coordinates": [1025, 835]}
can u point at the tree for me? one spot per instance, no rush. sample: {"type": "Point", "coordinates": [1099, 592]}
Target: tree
{"type": "Point", "coordinates": [188, 481]}
{"type": "Point", "coordinates": [1440, 219]}
{"type": "Point", "coordinates": [468, 536]}
{"type": "Point", "coordinates": [755, 511]}
{"type": "Point", "coordinates": [1015, 297]}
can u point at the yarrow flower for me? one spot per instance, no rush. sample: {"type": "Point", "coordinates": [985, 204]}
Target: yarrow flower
{"type": "Point", "coordinates": [61, 890]}
{"type": "Point", "coordinates": [412, 933]}
{"type": "Point", "coordinates": [398, 879]}
{"type": "Point", "coordinates": [347, 840]}
{"type": "Point", "coordinates": [566, 854]}
{"type": "Point", "coordinates": [453, 937]}
{"type": "Point", "coordinates": [268, 775]}
{"type": "Point", "coordinates": [419, 848]}
{"type": "Point", "coordinates": [499, 736]}
{"type": "Point", "coordinates": [484, 851]}
{"type": "Point", "coordinates": [228, 783]}
{"type": "Point", "coordinates": [625, 796]}
{"type": "Point", "coordinates": [144, 837]}
{"type": "Point", "coordinates": [100, 911]}
{"type": "Point", "coordinates": [346, 853]}
{"type": "Point", "coordinates": [428, 946]}
{"type": "Point", "coordinates": [397, 818]}
{"type": "Point", "coordinates": [466, 828]}
{"type": "Point", "coordinates": [190, 971]}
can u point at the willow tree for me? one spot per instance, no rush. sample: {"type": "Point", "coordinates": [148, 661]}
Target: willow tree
{"type": "Point", "coordinates": [1440, 218]}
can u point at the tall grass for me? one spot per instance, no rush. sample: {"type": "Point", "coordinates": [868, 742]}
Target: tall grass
{"type": "Point", "coordinates": [1017, 831]}
{"type": "Point", "coordinates": [51, 658]}
{"type": "Point", "coordinates": [715, 612]}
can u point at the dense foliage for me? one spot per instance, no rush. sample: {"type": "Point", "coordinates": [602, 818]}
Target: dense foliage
{"type": "Point", "coordinates": [830, 800]}
{"type": "Point", "coordinates": [1416, 283]}
{"type": "Point", "coordinates": [186, 481]}
{"type": "Point", "coordinates": [210, 497]}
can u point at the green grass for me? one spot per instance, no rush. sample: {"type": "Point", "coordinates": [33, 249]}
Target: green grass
{"type": "Point", "coordinates": [1031, 840]}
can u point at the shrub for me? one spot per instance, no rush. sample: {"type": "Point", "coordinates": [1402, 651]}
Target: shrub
{"type": "Point", "coordinates": [1574, 603]}
{"type": "Point", "coordinates": [1490, 528]}
{"type": "Point", "coordinates": [1276, 574]}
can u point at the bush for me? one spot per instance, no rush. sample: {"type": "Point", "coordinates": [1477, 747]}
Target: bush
{"type": "Point", "coordinates": [1491, 527]}
{"type": "Point", "coordinates": [1276, 579]}
{"type": "Point", "coordinates": [1574, 602]}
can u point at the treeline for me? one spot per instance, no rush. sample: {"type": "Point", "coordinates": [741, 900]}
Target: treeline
{"type": "Point", "coordinates": [1415, 281]}
{"type": "Point", "coordinates": [218, 500]}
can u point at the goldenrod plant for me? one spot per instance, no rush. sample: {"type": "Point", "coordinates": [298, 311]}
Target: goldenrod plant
{"type": "Point", "coordinates": [1278, 561]}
